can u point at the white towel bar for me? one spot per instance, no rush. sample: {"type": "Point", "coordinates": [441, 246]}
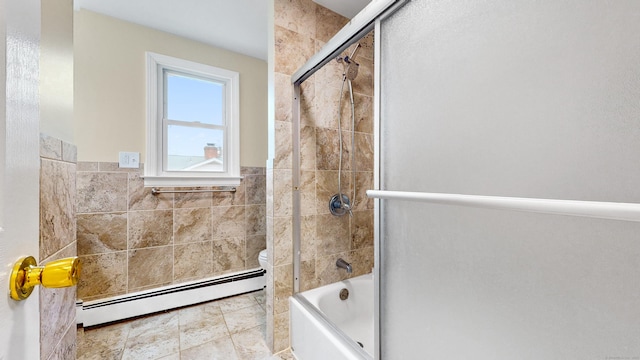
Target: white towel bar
{"type": "Point", "coordinates": [593, 209]}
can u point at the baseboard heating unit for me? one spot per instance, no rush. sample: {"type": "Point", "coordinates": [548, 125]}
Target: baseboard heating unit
{"type": "Point", "coordinates": [91, 313]}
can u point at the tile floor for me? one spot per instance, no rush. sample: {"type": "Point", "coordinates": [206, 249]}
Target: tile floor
{"type": "Point", "coordinates": [227, 329]}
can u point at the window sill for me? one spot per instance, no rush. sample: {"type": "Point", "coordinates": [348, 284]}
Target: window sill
{"type": "Point", "coordinates": [177, 181]}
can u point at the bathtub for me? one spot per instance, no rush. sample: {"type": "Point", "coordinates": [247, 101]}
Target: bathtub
{"type": "Point", "coordinates": [322, 326]}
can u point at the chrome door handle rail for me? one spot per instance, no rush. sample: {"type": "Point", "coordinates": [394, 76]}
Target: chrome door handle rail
{"type": "Point", "coordinates": [593, 209]}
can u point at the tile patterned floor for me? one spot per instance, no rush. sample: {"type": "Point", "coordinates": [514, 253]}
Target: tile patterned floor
{"type": "Point", "coordinates": [227, 329]}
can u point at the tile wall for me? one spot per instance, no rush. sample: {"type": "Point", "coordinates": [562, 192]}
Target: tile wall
{"type": "Point", "coordinates": [131, 240]}
{"type": "Point", "coordinates": [57, 240]}
{"type": "Point", "coordinates": [301, 29]}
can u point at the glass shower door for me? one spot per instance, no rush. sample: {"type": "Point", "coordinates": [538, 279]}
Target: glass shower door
{"type": "Point", "coordinates": [504, 100]}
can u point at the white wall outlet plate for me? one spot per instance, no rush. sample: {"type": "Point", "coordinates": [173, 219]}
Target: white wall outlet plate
{"type": "Point", "coordinates": [129, 160]}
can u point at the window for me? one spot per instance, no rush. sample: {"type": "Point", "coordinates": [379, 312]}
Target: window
{"type": "Point", "coordinates": [192, 124]}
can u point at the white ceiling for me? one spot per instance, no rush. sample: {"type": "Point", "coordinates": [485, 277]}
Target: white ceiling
{"type": "Point", "coordinates": [236, 25]}
{"type": "Point", "coordinates": [346, 8]}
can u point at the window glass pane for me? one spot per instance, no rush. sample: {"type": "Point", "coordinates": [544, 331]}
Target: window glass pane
{"type": "Point", "coordinates": [194, 99]}
{"type": "Point", "coordinates": [194, 149]}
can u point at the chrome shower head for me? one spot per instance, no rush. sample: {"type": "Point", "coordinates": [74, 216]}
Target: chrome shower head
{"type": "Point", "coordinates": [354, 53]}
{"type": "Point", "coordinates": [351, 66]}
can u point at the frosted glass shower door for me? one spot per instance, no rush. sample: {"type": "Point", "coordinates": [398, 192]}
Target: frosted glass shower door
{"type": "Point", "coordinates": [526, 99]}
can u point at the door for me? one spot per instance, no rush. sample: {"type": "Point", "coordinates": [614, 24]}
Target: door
{"type": "Point", "coordinates": [19, 169]}
{"type": "Point", "coordinates": [518, 101]}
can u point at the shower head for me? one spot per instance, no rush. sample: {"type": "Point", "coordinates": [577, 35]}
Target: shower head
{"type": "Point", "coordinates": [354, 53]}
{"type": "Point", "coordinates": [351, 66]}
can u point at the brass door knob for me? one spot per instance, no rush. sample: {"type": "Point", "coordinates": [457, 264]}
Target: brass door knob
{"type": "Point", "coordinates": [55, 274]}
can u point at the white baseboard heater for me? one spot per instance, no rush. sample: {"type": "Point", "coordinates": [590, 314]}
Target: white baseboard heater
{"type": "Point", "coordinates": [91, 313]}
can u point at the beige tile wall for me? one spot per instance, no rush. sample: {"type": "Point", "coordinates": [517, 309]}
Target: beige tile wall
{"type": "Point", "coordinates": [131, 240]}
{"type": "Point", "coordinates": [301, 29]}
{"type": "Point", "coordinates": [57, 240]}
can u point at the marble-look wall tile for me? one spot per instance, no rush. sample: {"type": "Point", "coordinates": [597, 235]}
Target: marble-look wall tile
{"type": "Point", "coordinates": [228, 255]}
{"type": "Point", "coordinates": [308, 279]}
{"type": "Point", "coordinates": [328, 23]}
{"type": "Point", "coordinates": [308, 148]}
{"type": "Point", "coordinates": [192, 200]}
{"type": "Point", "coordinates": [367, 49]}
{"type": "Point", "coordinates": [150, 266]}
{"type": "Point", "coordinates": [308, 241]}
{"type": "Point", "coordinates": [256, 186]}
{"type": "Point", "coordinates": [228, 221]}
{"type": "Point", "coordinates": [50, 147]}
{"type": "Point", "coordinates": [57, 309]}
{"type": "Point", "coordinates": [284, 147]}
{"type": "Point", "coordinates": [103, 274]}
{"type": "Point", "coordinates": [332, 234]}
{"type": "Point", "coordinates": [283, 240]}
{"type": "Point", "coordinates": [327, 149]}
{"type": "Point", "coordinates": [87, 166]}
{"type": "Point", "coordinates": [329, 99]}
{"type": "Point", "coordinates": [281, 336]}
{"type": "Point", "coordinates": [292, 50]}
{"type": "Point", "coordinates": [66, 348]}
{"type": "Point", "coordinates": [192, 225]}
{"type": "Point", "coordinates": [69, 152]}
{"type": "Point", "coordinates": [141, 198]}
{"type": "Point", "coordinates": [256, 220]}
{"type": "Point", "coordinates": [254, 244]}
{"type": "Point", "coordinates": [296, 15]}
{"type": "Point", "coordinates": [364, 152]}
{"type": "Point", "coordinates": [193, 261]}
{"type": "Point", "coordinates": [269, 191]}
{"type": "Point", "coordinates": [285, 96]}
{"type": "Point", "coordinates": [362, 229]}
{"type": "Point", "coordinates": [363, 260]}
{"type": "Point", "coordinates": [101, 233]}
{"type": "Point", "coordinates": [363, 109]}
{"type": "Point", "coordinates": [252, 170]}
{"type": "Point", "coordinates": [57, 206]}
{"type": "Point", "coordinates": [270, 240]}
{"type": "Point", "coordinates": [308, 112]}
{"type": "Point", "coordinates": [167, 220]}
{"type": "Point", "coordinates": [150, 228]}
{"type": "Point", "coordinates": [270, 297]}
{"type": "Point", "coordinates": [326, 270]}
{"type": "Point", "coordinates": [331, 75]}
{"type": "Point", "coordinates": [228, 198]}
{"type": "Point", "coordinates": [308, 192]}
{"type": "Point", "coordinates": [283, 287]}
{"type": "Point", "coordinates": [101, 192]}
{"type": "Point", "coordinates": [282, 196]}
{"type": "Point", "coordinates": [364, 182]}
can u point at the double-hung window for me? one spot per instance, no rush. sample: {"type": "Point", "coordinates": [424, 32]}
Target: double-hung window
{"type": "Point", "coordinates": [193, 129]}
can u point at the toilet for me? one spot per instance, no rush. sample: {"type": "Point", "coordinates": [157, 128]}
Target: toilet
{"type": "Point", "coordinates": [262, 259]}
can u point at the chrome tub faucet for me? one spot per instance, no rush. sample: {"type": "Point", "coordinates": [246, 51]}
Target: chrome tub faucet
{"type": "Point", "coordinates": [344, 265]}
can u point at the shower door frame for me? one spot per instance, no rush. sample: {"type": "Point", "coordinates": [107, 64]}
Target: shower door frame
{"type": "Point", "coordinates": [365, 21]}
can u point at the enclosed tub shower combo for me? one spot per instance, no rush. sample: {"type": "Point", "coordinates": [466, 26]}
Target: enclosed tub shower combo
{"type": "Point", "coordinates": [507, 138]}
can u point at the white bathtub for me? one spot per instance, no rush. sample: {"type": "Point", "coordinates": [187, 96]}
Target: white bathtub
{"type": "Point", "coordinates": [313, 337]}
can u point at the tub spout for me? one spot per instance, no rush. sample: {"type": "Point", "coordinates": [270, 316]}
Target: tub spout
{"type": "Point", "coordinates": [345, 265]}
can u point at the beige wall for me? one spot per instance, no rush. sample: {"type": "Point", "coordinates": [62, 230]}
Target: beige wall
{"type": "Point", "coordinates": [56, 70]}
{"type": "Point", "coordinates": [110, 99]}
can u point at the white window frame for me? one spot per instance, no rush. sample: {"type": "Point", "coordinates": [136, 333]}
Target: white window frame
{"type": "Point", "coordinates": [154, 172]}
